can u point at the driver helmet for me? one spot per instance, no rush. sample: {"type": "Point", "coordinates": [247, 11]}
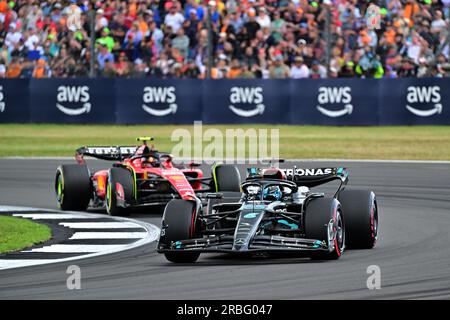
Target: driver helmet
{"type": "Point", "coordinates": [272, 193]}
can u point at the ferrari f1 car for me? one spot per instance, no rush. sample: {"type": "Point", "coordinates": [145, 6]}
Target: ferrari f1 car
{"type": "Point", "coordinates": [276, 212]}
{"type": "Point", "coordinates": [140, 176]}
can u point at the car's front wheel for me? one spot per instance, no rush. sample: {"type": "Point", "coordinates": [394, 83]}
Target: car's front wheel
{"type": "Point", "coordinates": [178, 223]}
{"type": "Point", "coordinates": [73, 187]}
{"type": "Point", "coordinates": [324, 221]}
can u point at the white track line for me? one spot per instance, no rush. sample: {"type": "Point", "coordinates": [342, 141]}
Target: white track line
{"type": "Point", "coordinates": [76, 248]}
{"type": "Point", "coordinates": [99, 225]}
{"type": "Point", "coordinates": [151, 234]}
{"type": "Point", "coordinates": [107, 235]}
{"type": "Point", "coordinates": [52, 216]}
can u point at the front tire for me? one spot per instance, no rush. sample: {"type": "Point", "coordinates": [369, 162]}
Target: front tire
{"type": "Point", "coordinates": [116, 177]}
{"type": "Point", "coordinates": [226, 178]}
{"type": "Point", "coordinates": [324, 221]}
{"type": "Point", "coordinates": [361, 218]}
{"type": "Point", "coordinates": [73, 187]}
{"type": "Point", "coordinates": [178, 223]}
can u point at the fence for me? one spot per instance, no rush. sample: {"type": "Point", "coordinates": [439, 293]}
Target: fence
{"type": "Point", "coordinates": [363, 102]}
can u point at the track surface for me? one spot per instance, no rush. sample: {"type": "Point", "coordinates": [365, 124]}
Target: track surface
{"type": "Point", "coordinates": [413, 252]}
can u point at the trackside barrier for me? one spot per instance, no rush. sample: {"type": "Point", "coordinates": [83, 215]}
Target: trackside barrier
{"type": "Point", "coordinates": [355, 102]}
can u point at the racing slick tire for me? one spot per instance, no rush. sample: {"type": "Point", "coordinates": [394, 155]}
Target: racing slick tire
{"type": "Point", "coordinates": [226, 178]}
{"type": "Point", "coordinates": [123, 177]}
{"type": "Point", "coordinates": [179, 224]}
{"type": "Point", "coordinates": [73, 187]}
{"type": "Point", "coordinates": [361, 218]}
{"type": "Point", "coordinates": [319, 213]}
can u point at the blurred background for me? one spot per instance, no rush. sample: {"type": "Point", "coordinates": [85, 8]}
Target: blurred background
{"type": "Point", "coordinates": [265, 39]}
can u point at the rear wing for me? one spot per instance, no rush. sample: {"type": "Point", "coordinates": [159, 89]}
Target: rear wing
{"type": "Point", "coordinates": [317, 176]}
{"type": "Point", "coordinates": [117, 153]}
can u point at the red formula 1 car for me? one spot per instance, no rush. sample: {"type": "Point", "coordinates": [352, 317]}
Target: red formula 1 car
{"type": "Point", "coordinates": [141, 176]}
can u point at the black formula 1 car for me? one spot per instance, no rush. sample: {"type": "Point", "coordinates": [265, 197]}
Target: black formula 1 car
{"type": "Point", "coordinates": [276, 212]}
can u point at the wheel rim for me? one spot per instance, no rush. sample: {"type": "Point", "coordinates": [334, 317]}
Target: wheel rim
{"type": "Point", "coordinates": [108, 197]}
{"type": "Point", "coordinates": [339, 231]}
{"type": "Point", "coordinates": [59, 190]}
{"type": "Point", "coordinates": [374, 222]}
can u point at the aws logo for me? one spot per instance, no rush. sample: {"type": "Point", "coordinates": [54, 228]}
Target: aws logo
{"type": "Point", "coordinates": [247, 96]}
{"type": "Point", "coordinates": [424, 95]}
{"type": "Point", "coordinates": [161, 97]}
{"type": "Point", "coordinates": [2, 102]}
{"type": "Point", "coordinates": [73, 100]}
{"type": "Point", "coordinates": [333, 96]}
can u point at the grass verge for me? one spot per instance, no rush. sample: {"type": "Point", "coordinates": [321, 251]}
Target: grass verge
{"type": "Point", "coordinates": [307, 142]}
{"type": "Point", "coordinates": [17, 233]}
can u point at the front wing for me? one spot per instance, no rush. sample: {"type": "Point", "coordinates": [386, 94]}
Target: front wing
{"type": "Point", "coordinates": [261, 243]}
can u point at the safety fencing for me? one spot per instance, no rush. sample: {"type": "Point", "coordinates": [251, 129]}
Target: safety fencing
{"type": "Point", "coordinates": [353, 102]}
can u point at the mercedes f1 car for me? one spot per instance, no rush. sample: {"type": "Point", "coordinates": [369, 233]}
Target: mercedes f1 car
{"type": "Point", "coordinates": [140, 176]}
{"type": "Point", "coordinates": [276, 212]}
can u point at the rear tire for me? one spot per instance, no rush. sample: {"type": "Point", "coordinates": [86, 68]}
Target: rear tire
{"type": "Point", "coordinates": [361, 218]}
{"type": "Point", "coordinates": [226, 178]}
{"type": "Point", "coordinates": [123, 177]}
{"type": "Point", "coordinates": [73, 187]}
{"type": "Point", "coordinates": [178, 222]}
{"type": "Point", "coordinates": [319, 213]}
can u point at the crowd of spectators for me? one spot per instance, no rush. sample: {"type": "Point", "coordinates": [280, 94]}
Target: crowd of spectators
{"type": "Point", "coordinates": [251, 39]}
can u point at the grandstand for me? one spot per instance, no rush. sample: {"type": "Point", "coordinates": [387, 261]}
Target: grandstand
{"type": "Point", "coordinates": [224, 39]}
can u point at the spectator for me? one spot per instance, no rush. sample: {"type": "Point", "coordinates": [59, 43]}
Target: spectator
{"type": "Point", "coordinates": [174, 19]}
{"type": "Point", "coordinates": [103, 56]}
{"type": "Point", "coordinates": [279, 70]}
{"type": "Point", "coordinates": [299, 70]}
{"type": "Point", "coordinates": [181, 42]}
{"type": "Point", "coordinates": [170, 37]}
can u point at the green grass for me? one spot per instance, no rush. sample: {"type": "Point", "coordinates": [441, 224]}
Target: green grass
{"type": "Point", "coordinates": [307, 142]}
{"type": "Point", "coordinates": [17, 233]}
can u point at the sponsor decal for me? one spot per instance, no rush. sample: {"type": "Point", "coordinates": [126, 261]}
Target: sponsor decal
{"type": "Point", "coordinates": [247, 96]}
{"type": "Point", "coordinates": [239, 241]}
{"type": "Point", "coordinates": [73, 100]}
{"type": "Point", "coordinates": [110, 150]}
{"type": "Point", "coordinates": [2, 103]}
{"type": "Point", "coordinates": [308, 172]}
{"type": "Point", "coordinates": [251, 215]}
{"type": "Point", "coordinates": [333, 96]}
{"type": "Point", "coordinates": [424, 95]}
{"type": "Point", "coordinates": [163, 97]}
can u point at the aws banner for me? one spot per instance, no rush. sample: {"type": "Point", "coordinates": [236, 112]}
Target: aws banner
{"type": "Point", "coordinates": [414, 101]}
{"type": "Point", "coordinates": [158, 101]}
{"type": "Point", "coordinates": [14, 100]}
{"type": "Point", "coordinates": [155, 101]}
{"type": "Point", "coordinates": [334, 102]}
{"type": "Point", "coordinates": [72, 100]}
{"type": "Point", "coordinates": [246, 101]}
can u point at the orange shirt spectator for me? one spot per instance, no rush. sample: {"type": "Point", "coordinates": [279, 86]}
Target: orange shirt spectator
{"type": "Point", "coordinates": [14, 70]}
{"type": "Point", "coordinates": [411, 9]}
{"type": "Point", "coordinates": [39, 69]}
{"type": "Point", "coordinates": [3, 5]}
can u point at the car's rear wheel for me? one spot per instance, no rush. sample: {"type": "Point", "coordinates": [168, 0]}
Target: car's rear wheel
{"type": "Point", "coordinates": [226, 178]}
{"type": "Point", "coordinates": [178, 223]}
{"type": "Point", "coordinates": [119, 191]}
{"type": "Point", "coordinates": [73, 187]}
{"type": "Point", "coordinates": [324, 221]}
{"type": "Point", "coordinates": [361, 218]}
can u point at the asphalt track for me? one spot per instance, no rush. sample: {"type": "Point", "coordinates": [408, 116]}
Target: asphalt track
{"type": "Point", "coordinates": [413, 252]}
